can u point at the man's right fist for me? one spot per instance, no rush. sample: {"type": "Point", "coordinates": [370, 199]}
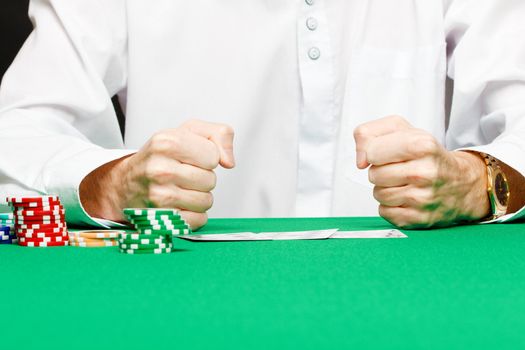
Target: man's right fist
{"type": "Point", "coordinates": [174, 169]}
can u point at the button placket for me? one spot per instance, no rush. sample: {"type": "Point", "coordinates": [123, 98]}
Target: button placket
{"type": "Point", "coordinates": [317, 129]}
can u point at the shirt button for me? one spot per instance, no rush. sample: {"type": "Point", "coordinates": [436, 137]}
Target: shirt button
{"type": "Point", "coordinates": [314, 53]}
{"type": "Point", "coordinates": [311, 23]}
{"type": "Point", "coordinates": [310, 2]}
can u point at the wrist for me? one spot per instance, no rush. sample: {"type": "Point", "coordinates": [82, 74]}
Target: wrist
{"type": "Point", "coordinates": [101, 191]}
{"type": "Point", "coordinates": [472, 167]}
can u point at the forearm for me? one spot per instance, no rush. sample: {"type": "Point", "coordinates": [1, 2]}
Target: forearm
{"type": "Point", "coordinates": [100, 194]}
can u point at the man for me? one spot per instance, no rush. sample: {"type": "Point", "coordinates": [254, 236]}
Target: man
{"type": "Point", "coordinates": [297, 80]}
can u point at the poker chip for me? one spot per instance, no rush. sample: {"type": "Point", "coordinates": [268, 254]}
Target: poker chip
{"type": "Point", "coordinates": [98, 243]}
{"type": "Point", "coordinates": [43, 244]}
{"type": "Point", "coordinates": [173, 232]}
{"type": "Point", "coordinates": [44, 239]}
{"type": "Point", "coordinates": [7, 234]}
{"type": "Point", "coordinates": [54, 230]}
{"type": "Point", "coordinates": [40, 212]}
{"type": "Point", "coordinates": [146, 251]}
{"type": "Point", "coordinates": [137, 246]}
{"type": "Point", "coordinates": [138, 236]}
{"type": "Point", "coordinates": [97, 234]}
{"type": "Point", "coordinates": [82, 239]}
{"type": "Point", "coordinates": [17, 201]}
{"type": "Point", "coordinates": [94, 238]}
{"type": "Point", "coordinates": [155, 227]}
{"type": "Point", "coordinates": [132, 212]}
{"type": "Point", "coordinates": [145, 241]}
{"type": "Point", "coordinates": [41, 234]}
{"type": "Point", "coordinates": [39, 221]}
{"type": "Point", "coordinates": [36, 226]}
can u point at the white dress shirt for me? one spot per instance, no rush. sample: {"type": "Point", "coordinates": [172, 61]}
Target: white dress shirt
{"type": "Point", "coordinates": [292, 77]}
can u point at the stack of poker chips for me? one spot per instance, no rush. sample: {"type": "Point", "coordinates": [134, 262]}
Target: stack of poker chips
{"type": "Point", "coordinates": [156, 229]}
{"type": "Point", "coordinates": [94, 238]}
{"type": "Point", "coordinates": [39, 221]}
{"type": "Point", "coordinates": [7, 229]}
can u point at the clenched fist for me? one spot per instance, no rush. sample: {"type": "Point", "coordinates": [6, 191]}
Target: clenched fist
{"type": "Point", "coordinates": [174, 169]}
{"type": "Point", "coordinates": [417, 182]}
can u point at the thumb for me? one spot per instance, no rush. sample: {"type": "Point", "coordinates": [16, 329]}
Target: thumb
{"type": "Point", "coordinates": [368, 131]}
{"type": "Point", "coordinates": [220, 134]}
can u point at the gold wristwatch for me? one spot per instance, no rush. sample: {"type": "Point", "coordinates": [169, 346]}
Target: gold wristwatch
{"type": "Point", "coordinates": [497, 188]}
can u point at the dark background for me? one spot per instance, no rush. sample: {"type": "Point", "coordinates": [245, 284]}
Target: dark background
{"type": "Point", "coordinates": [15, 26]}
{"type": "Point", "coordinates": [14, 29]}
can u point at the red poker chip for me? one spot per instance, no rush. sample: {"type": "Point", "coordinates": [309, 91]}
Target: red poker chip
{"type": "Point", "coordinates": [39, 218]}
{"type": "Point", "coordinates": [43, 244]}
{"type": "Point", "coordinates": [44, 239]}
{"type": "Point", "coordinates": [32, 199]}
{"type": "Point", "coordinates": [50, 230]}
{"type": "Point", "coordinates": [54, 237]}
{"type": "Point", "coordinates": [30, 213]}
{"type": "Point", "coordinates": [31, 226]}
{"type": "Point", "coordinates": [53, 207]}
{"type": "Point", "coordinates": [42, 234]}
{"type": "Point", "coordinates": [36, 205]}
{"type": "Point", "coordinates": [31, 223]}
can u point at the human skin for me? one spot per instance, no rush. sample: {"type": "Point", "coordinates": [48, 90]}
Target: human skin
{"type": "Point", "coordinates": [174, 169]}
{"type": "Point", "coordinates": [420, 184]}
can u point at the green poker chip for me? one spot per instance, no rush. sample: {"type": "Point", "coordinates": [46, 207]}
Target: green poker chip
{"type": "Point", "coordinates": [137, 246]}
{"type": "Point", "coordinates": [141, 235]}
{"type": "Point", "coordinates": [159, 222]}
{"type": "Point", "coordinates": [163, 240]}
{"type": "Point", "coordinates": [149, 211]}
{"type": "Point", "coordinates": [165, 232]}
{"type": "Point", "coordinates": [155, 217]}
{"type": "Point", "coordinates": [146, 251]}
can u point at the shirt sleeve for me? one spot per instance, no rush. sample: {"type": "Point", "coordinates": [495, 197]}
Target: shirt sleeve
{"type": "Point", "coordinates": [57, 122]}
{"type": "Point", "coordinates": [486, 54]}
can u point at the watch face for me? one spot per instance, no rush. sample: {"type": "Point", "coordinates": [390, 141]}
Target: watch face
{"type": "Point", "coordinates": [501, 188]}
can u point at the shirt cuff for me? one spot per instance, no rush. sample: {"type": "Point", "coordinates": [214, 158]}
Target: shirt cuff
{"type": "Point", "coordinates": [508, 150]}
{"type": "Point", "coordinates": [65, 180]}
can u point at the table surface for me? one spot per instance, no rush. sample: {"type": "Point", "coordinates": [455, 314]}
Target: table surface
{"type": "Point", "coordinates": [448, 288]}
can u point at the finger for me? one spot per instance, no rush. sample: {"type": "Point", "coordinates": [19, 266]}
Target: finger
{"type": "Point", "coordinates": [370, 130]}
{"type": "Point", "coordinates": [390, 196]}
{"type": "Point", "coordinates": [185, 147]}
{"type": "Point", "coordinates": [195, 220]}
{"type": "Point", "coordinates": [404, 196]}
{"type": "Point", "coordinates": [166, 171]}
{"type": "Point", "coordinates": [421, 172]}
{"type": "Point", "coordinates": [408, 218]}
{"type": "Point", "coordinates": [220, 134]}
{"type": "Point", "coordinates": [171, 196]}
{"type": "Point", "coordinates": [193, 178]}
{"type": "Point", "coordinates": [400, 146]}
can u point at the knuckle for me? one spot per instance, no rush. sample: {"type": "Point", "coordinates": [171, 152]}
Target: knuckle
{"type": "Point", "coordinates": [154, 172]}
{"type": "Point", "coordinates": [361, 131]}
{"type": "Point", "coordinates": [160, 142]}
{"type": "Point", "coordinates": [376, 194]}
{"type": "Point", "coordinates": [373, 175]}
{"type": "Point", "coordinates": [423, 175]}
{"type": "Point", "coordinates": [208, 201]}
{"type": "Point", "coordinates": [156, 194]}
{"type": "Point", "coordinates": [398, 120]}
{"type": "Point", "coordinates": [212, 181]}
{"type": "Point", "coordinates": [198, 220]}
{"type": "Point", "coordinates": [188, 123]}
{"type": "Point", "coordinates": [224, 129]}
{"type": "Point", "coordinates": [423, 145]}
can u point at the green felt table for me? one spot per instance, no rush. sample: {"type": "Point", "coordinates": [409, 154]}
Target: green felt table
{"type": "Point", "coordinates": [462, 287]}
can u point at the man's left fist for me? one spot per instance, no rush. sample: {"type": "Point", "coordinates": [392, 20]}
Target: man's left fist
{"type": "Point", "coordinates": [417, 182]}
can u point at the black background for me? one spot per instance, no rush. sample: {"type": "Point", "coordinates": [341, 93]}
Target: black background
{"type": "Point", "coordinates": [15, 26]}
{"type": "Point", "coordinates": [14, 29]}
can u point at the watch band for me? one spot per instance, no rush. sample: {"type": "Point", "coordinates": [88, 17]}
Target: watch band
{"type": "Point", "coordinates": [497, 187]}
